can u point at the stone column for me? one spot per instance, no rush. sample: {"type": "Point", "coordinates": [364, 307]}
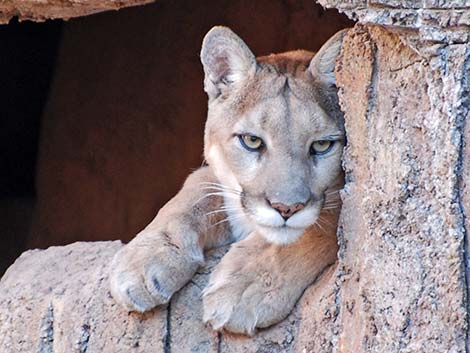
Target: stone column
{"type": "Point", "coordinates": [401, 273]}
{"type": "Point", "coordinates": [402, 278]}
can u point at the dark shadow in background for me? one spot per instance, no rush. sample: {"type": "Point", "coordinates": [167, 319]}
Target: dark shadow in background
{"type": "Point", "coordinates": [28, 53]}
{"type": "Point", "coordinates": [27, 56]}
{"type": "Point", "coordinates": [121, 121]}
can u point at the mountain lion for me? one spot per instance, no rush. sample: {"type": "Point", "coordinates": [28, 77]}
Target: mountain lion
{"type": "Point", "coordinates": [273, 142]}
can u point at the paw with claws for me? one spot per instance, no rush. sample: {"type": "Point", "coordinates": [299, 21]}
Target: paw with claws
{"type": "Point", "coordinates": [146, 273]}
{"type": "Point", "coordinates": [252, 287]}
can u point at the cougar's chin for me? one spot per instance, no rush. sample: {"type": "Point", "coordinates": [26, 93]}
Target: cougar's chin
{"type": "Point", "coordinates": [276, 230]}
{"type": "Point", "coordinates": [280, 235]}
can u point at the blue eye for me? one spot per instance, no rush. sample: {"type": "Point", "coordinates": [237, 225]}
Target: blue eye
{"type": "Point", "coordinates": [250, 142]}
{"type": "Point", "coordinates": [322, 147]}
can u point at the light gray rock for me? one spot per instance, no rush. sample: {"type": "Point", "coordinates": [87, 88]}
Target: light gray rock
{"type": "Point", "coordinates": [436, 20]}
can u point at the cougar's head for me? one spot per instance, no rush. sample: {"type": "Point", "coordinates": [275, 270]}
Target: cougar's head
{"type": "Point", "coordinates": [274, 133]}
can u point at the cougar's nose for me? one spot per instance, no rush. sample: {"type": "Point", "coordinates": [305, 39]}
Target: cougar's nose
{"type": "Point", "coordinates": [287, 211]}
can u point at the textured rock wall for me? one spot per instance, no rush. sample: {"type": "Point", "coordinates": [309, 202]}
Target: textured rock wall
{"type": "Point", "coordinates": [401, 263]}
{"type": "Point", "coordinates": [435, 20]}
{"type": "Point", "coordinates": [49, 9]}
{"type": "Point", "coordinates": [403, 270]}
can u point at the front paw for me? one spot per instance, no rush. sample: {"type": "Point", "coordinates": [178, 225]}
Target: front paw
{"type": "Point", "coordinates": [148, 271]}
{"type": "Point", "coordinates": [248, 292]}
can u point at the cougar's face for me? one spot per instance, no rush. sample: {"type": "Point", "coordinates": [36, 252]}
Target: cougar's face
{"type": "Point", "coordinates": [276, 150]}
{"type": "Point", "coordinates": [274, 133]}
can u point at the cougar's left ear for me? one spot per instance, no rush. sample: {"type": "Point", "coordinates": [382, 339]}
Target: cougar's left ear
{"type": "Point", "coordinates": [323, 63]}
{"type": "Point", "coordinates": [227, 60]}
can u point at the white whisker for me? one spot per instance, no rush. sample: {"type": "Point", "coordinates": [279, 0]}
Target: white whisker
{"type": "Point", "coordinates": [331, 207]}
{"type": "Point", "coordinates": [201, 198]}
{"type": "Point", "coordinates": [214, 212]}
{"type": "Point", "coordinates": [223, 194]}
{"type": "Point", "coordinates": [326, 223]}
{"type": "Point", "coordinates": [332, 201]}
{"type": "Point", "coordinates": [206, 196]}
{"type": "Point", "coordinates": [221, 190]}
{"type": "Point", "coordinates": [220, 222]}
{"type": "Point", "coordinates": [220, 186]}
{"type": "Point", "coordinates": [222, 210]}
{"type": "Point", "coordinates": [330, 198]}
{"type": "Point", "coordinates": [333, 191]}
{"type": "Point", "coordinates": [228, 219]}
{"type": "Point", "coordinates": [226, 207]}
{"type": "Point", "coordinates": [317, 224]}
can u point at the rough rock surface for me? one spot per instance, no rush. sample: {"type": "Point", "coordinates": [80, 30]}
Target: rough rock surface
{"type": "Point", "coordinates": [402, 263]}
{"type": "Point", "coordinates": [57, 301]}
{"type": "Point", "coordinates": [436, 20]}
{"type": "Point", "coordinates": [41, 10]}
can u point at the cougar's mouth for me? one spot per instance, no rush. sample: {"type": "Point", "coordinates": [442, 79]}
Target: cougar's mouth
{"type": "Point", "coordinates": [251, 213]}
{"type": "Point", "coordinates": [273, 226]}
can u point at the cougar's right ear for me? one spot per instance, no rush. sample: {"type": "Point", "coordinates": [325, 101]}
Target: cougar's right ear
{"type": "Point", "coordinates": [323, 63]}
{"type": "Point", "coordinates": [227, 60]}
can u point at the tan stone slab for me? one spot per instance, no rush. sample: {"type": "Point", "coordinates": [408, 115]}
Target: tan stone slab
{"type": "Point", "coordinates": [41, 10]}
{"type": "Point", "coordinates": [57, 301]}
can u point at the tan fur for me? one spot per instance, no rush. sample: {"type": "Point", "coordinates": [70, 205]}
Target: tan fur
{"type": "Point", "coordinates": [290, 101]}
{"type": "Point", "coordinates": [257, 283]}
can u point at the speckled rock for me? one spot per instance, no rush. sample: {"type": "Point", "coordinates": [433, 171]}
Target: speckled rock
{"type": "Point", "coordinates": [402, 261]}
{"type": "Point", "coordinates": [436, 20]}
{"type": "Point", "coordinates": [57, 301]}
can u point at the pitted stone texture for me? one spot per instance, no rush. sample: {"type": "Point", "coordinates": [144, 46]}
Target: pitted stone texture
{"type": "Point", "coordinates": [318, 311]}
{"type": "Point", "coordinates": [401, 270]}
{"type": "Point", "coordinates": [57, 301]}
{"type": "Point", "coordinates": [35, 10]}
{"type": "Point", "coordinates": [436, 20]}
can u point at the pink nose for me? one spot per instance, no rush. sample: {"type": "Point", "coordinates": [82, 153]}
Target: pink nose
{"type": "Point", "coordinates": [287, 211]}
